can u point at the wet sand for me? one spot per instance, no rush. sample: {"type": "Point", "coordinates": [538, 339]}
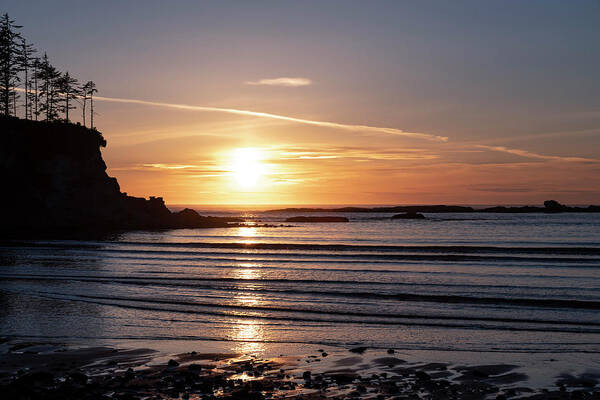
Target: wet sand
{"type": "Point", "coordinates": [50, 371]}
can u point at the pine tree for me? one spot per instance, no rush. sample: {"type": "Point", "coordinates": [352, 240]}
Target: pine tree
{"type": "Point", "coordinates": [26, 61]}
{"type": "Point", "coordinates": [34, 77]}
{"type": "Point", "coordinates": [49, 95]}
{"type": "Point", "coordinates": [46, 90]}
{"type": "Point", "coordinates": [88, 91]}
{"type": "Point", "coordinates": [9, 65]}
{"type": "Point", "coordinates": [14, 97]}
{"type": "Point", "coordinates": [69, 91]}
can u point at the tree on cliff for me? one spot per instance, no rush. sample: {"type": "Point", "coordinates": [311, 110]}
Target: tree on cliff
{"type": "Point", "coordinates": [69, 92]}
{"type": "Point", "coordinates": [46, 90]}
{"type": "Point", "coordinates": [26, 60]}
{"type": "Point", "coordinates": [14, 97]}
{"type": "Point", "coordinates": [84, 99]}
{"type": "Point", "coordinates": [88, 90]}
{"type": "Point", "coordinates": [35, 94]}
{"type": "Point", "coordinates": [9, 65]}
{"type": "Point", "coordinates": [49, 95]}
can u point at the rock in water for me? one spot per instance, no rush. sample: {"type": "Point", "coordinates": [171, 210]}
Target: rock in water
{"type": "Point", "coordinates": [409, 215]}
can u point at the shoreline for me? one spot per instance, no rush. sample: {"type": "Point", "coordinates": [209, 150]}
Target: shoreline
{"type": "Point", "coordinates": [50, 370]}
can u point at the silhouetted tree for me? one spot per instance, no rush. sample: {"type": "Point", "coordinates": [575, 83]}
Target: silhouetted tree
{"type": "Point", "coordinates": [87, 92]}
{"type": "Point", "coordinates": [9, 65]}
{"type": "Point", "coordinates": [84, 99]}
{"type": "Point", "coordinates": [89, 89]}
{"type": "Point", "coordinates": [69, 90]}
{"type": "Point", "coordinates": [34, 77]}
{"type": "Point", "coordinates": [14, 97]}
{"type": "Point", "coordinates": [49, 94]}
{"type": "Point", "coordinates": [26, 60]}
{"type": "Point", "coordinates": [46, 90]}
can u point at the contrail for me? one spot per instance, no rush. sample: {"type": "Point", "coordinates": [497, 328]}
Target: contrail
{"type": "Point", "coordinates": [355, 128]}
{"type": "Point", "coordinates": [529, 154]}
{"type": "Point", "coordinates": [348, 127]}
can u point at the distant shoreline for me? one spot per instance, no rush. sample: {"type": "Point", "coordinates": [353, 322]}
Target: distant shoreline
{"type": "Point", "coordinates": [549, 207]}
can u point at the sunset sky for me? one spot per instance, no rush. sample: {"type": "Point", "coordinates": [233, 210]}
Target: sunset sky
{"type": "Point", "coordinates": [337, 102]}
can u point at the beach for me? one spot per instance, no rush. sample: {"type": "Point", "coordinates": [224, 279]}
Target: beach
{"type": "Point", "coordinates": [299, 200]}
{"type": "Point", "coordinates": [44, 371]}
{"type": "Point", "coordinates": [489, 305]}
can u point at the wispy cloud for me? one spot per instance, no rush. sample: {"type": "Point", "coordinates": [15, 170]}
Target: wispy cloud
{"type": "Point", "coordinates": [362, 154]}
{"type": "Point", "coordinates": [529, 154]}
{"type": "Point", "coordinates": [284, 81]}
{"type": "Point", "coordinates": [166, 166]}
{"type": "Point", "coordinates": [325, 124]}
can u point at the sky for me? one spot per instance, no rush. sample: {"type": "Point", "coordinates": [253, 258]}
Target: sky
{"type": "Point", "coordinates": [337, 102]}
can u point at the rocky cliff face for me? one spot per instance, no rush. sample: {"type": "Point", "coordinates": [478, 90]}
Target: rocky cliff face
{"type": "Point", "coordinates": [54, 179]}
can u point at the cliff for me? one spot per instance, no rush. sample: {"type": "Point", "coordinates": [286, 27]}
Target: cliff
{"type": "Point", "coordinates": [55, 180]}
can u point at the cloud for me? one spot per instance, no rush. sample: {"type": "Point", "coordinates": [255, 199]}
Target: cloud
{"type": "Point", "coordinates": [357, 154]}
{"type": "Point", "coordinates": [285, 81]}
{"type": "Point", "coordinates": [527, 188]}
{"type": "Point", "coordinates": [529, 154]}
{"type": "Point", "coordinates": [325, 124]}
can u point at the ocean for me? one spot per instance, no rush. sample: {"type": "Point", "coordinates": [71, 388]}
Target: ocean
{"type": "Point", "coordinates": [494, 283]}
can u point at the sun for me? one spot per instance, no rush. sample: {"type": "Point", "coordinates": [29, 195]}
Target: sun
{"type": "Point", "coordinates": [247, 167]}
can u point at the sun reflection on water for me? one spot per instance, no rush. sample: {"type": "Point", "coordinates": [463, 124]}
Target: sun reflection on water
{"type": "Point", "coordinates": [246, 233]}
{"type": "Point", "coordinates": [248, 300]}
{"type": "Point", "coordinates": [248, 337]}
{"type": "Point", "coordinates": [246, 271]}
{"type": "Point", "coordinates": [248, 334]}
{"type": "Point", "coordinates": [247, 285]}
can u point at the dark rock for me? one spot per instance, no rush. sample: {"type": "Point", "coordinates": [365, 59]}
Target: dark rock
{"type": "Point", "coordinates": [343, 378]}
{"type": "Point", "coordinates": [391, 361]}
{"type": "Point", "coordinates": [37, 378]}
{"type": "Point", "coordinates": [244, 394]}
{"type": "Point", "coordinates": [173, 363]}
{"type": "Point", "coordinates": [553, 206]}
{"type": "Point", "coordinates": [79, 378]}
{"type": "Point", "coordinates": [358, 350]}
{"type": "Point", "coordinates": [422, 375]}
{"type": "Point", "coordinates": [587, 379]}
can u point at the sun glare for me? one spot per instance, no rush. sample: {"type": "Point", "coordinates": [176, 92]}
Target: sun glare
{"type": "Point", "coordinates": [247, 168]}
